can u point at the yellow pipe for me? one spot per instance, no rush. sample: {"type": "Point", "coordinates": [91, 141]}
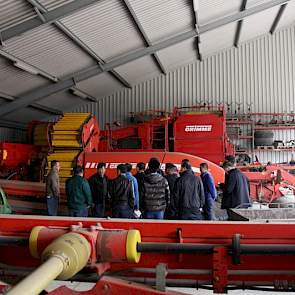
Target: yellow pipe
{"type": "Point", "coordinates": [63, 258]}
{"type": "Point", "coordinates": [39, 279]}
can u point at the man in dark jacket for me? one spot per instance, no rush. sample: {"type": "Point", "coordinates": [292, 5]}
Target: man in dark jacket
{"type": "Point", "coordinates": [121, 193]}
{"type": "Point", "coordinates": [188, 195]}
{"type": "Point", "coordinates": [171, 174]}
{"type": "Point", "coordinates": [140, 168]}
{"type": "Point", "coordinates": [209, 190]}
{"type": "Point", "coordinates": [156, 194]}
{"type": "Point", "coordinates": [236, 188]}
{"type": "Point", "coordinates": [53, 189]}
{"type": "Point", "coordinates": [99, 189]}
{"type": "Point", "coordinates": [78, 194]}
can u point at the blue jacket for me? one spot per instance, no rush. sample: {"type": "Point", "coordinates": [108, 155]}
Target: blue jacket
{"type": "Point", "coordinates": [134, 188]}
{"type": "Point", "coordinates": [209, 186]}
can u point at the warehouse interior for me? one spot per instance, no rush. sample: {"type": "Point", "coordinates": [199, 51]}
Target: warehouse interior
{"type": "Point", "coordinates": [85, 82]}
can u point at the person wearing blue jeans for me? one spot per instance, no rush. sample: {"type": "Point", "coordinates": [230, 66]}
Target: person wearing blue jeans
{"type": "Point", "coordinates": [53, 189]}
{"type": "Point", "coordinates": [99, 189]}
{"type": "Point", "coordinates": [209, 190]}
{"type": "Point", "coordinates": [155, 193]}
{"type": "Point", "coordinates": [134, 183]}
{"type": "Point", "coordinates": [121, 194]}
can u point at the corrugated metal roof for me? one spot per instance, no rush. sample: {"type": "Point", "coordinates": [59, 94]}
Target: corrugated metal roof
{"type": "Point", "coordinates": [164, 18]}
{"type": "Point", "coordinates": [213, 9]}
{"type": "Point", "coordinates": [100, 86]}
{"type": "Point", "coordinates": [53, 4]}
{"type": "Point", "coordinates": [138, 70]}
{"type": "Point", "coordinates": [218, 39]}
{"type": "Point", "coordinates": [106, 28]}
{"type": "Point", "coordinates": [63, 101]}
{"type": "Point", "coordinates": [14, 81]}
{"type": "Point", "coordinates": [288, 16]}
{"type": "Point", "coordinates": [48, 49]}
{"type": "Point", "coordinates": [258, 24]}
{"type": "Point", "coordinates": [13, 12]}
{"type": "Point", "coordinates": [178, 54]}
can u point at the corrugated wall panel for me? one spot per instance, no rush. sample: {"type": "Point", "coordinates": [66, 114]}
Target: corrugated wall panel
{"type": "Point", "coordinates": [259, 75]}
{"type": "Point", "coordinates": [12, 135]}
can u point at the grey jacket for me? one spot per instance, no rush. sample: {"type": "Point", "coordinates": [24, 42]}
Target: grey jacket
{"type": "Point", "coordinates": [52, 184]}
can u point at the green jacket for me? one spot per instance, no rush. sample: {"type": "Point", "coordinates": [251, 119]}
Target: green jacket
{"type": "Point", "coordinates": [78, 193]}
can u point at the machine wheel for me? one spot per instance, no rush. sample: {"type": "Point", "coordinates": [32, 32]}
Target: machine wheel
{"type": "Point", "coordinates": [263, 138]}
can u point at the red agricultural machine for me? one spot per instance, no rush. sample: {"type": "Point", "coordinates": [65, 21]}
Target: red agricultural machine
{"type": "Point", "coordinates": [144, 256]}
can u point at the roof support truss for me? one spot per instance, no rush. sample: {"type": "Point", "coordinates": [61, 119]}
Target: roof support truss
{"type": "Point", "coordinates": [239, 25]}
{"type": "Point", "coordinates": [67, 83]}
{"type": "Point", "coordinates": [143, 34]}
{"type": "Point", "coordinates": [277, 18]}
{"type": "Point", "coordinates": [60, 26]}
{"type": "Point", "coordinates": [47, 18]}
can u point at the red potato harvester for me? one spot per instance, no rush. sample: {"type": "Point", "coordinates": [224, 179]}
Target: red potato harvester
{"type": "Point", "coordinates": [111, 253]}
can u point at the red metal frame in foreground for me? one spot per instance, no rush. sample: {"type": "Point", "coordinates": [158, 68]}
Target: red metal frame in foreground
{"type": "Point", "coordinates": [219, 269]}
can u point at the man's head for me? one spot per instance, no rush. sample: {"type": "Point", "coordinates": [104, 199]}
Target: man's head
{"type": "Point", "coordinates": [140, 167]}
{"type": "Point", "coordinates": [231, 159]}
{"type": "Point", "coordinates": [78, 170]}
{"type": "Point", "coordinates": [55, 165]}
{"type": "Point", "coordinates": [185, 165]}
{"type": "Point", "coordinates": [227, 166]}
{"type": "Point", "coordinates": [101, 168]}
{"type": "Point", "coordinates": [121, 169]}
{"type": "Point", "coordinates": [170, 168]}
{"type": "Point", "coordinates": [203, 167]}
{"type": "Point", "coordinates": [154, 165]}
{"type": "Point", "coordinates": [128, 167]}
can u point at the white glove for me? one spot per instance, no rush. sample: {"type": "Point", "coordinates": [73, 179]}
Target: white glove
{"type": "Point", "coordinates": [137, 213]}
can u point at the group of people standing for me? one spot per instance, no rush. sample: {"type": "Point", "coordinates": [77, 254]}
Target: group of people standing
{"type": "Point", "coordinates": [150, 193]}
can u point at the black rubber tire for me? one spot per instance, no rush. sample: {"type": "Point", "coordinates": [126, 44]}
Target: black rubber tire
{"type": "Point", "coordinates": [263, 138]}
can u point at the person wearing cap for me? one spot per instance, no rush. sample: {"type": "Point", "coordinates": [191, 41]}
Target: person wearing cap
{"type": "Point", "coordinates": [188, 195]}
{"type": "Point", "coordinates": [99, 189]}
{"type": "Point", "coordinates": [210, 192]}
{"type": "Point", "coordinates": [121, 194]}
{"type": "Point", "coordinates": [156, 194]}
{"type": "Point", "coordinates": [236, 191]}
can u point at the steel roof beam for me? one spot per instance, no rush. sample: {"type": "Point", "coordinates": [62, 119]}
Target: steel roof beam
{"type": "Point", "coordinates": [45, 109]}
{"type": "Point", "coordinates": [48, 18]}
{"type": "Point", "coordinates": [87, 73]}
{"type": "Point", "coordinates": [74, 38]}
{"type": "Point", "coordinates": [195, 7]}
{"type": "Point", "coordinates": [12, 124]}
{"type": "Point", "coordinates": [143, 34]}
{"type": "Point", "coordinates": [277, 18]}
{"type": "Point", "coordinates": [239, 25]}
{"type": "Point", "coordinates": [36, 106]}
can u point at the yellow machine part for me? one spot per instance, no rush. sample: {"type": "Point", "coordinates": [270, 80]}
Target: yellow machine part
{"type": "Point", "coordinates": [66, 141]}
{"type": "Point", "coordinates": [40, 135]}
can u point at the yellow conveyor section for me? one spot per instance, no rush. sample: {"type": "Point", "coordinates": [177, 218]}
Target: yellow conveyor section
{"type": "Point", "coordinates": [66, 141]}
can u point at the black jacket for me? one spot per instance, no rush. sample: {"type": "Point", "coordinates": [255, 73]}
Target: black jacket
{"type": "Point", "coordinates": [171, 178]}
{"type": "Point", "coordinates": [188, 195]}
{"type": "Point", "coordinates": [140, 178]}
{"type": "Point", "coordinates": [120, 190]}
{"type": "Point", "coordinates": [156, 194]}
{"type": "Point", "coordinates": [99, 189]}
{"type": "Point", "coordinates": [235, 190]}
